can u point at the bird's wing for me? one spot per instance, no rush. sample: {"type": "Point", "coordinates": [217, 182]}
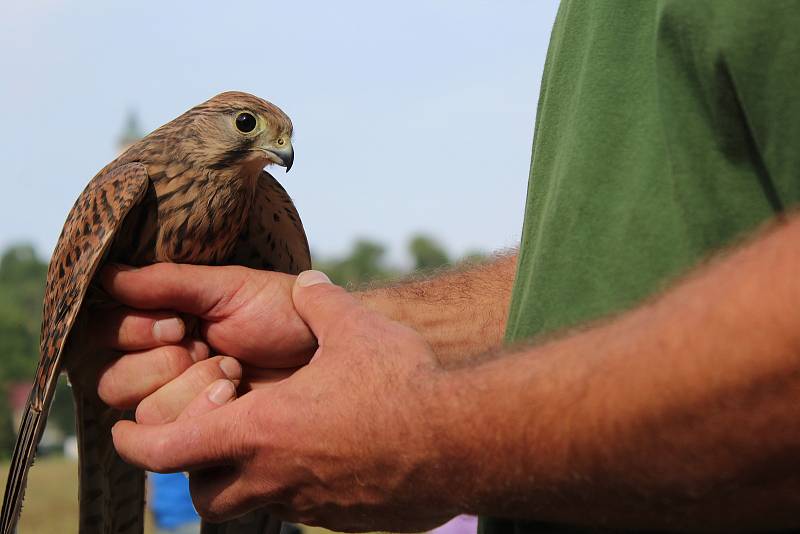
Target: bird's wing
{"type": "Point", "coordinates": [88, 232]}
{"type": "Point", "coordinates": [273, 238]}
{"type": "Point", "coordinates": [112, 491]}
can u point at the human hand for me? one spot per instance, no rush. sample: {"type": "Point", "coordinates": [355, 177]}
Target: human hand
{"type": "Point", "coordinates": [351, 441]}
{"type": "Point", "coordinates": [242, 312]}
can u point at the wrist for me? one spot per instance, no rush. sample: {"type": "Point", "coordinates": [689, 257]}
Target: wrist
{"type": "Point", "coordinates": [450, 430]}
{"type": "Point", "coordinates": [379, 301]}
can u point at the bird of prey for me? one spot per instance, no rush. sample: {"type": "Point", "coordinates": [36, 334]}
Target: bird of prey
{"type": "Point", "coordinates": [192, 191]}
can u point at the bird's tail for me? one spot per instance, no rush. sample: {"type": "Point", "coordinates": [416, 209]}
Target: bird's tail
{"type": "Point", "coordinates": [30, 432]}
{"type": "Point", "coordinates": [111, 491]}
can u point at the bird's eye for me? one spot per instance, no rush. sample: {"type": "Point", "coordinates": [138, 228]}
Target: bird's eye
{"type": "Point", "coordinates": [245, 122]}
{"type": "Point", "coordinates": [281, 141]}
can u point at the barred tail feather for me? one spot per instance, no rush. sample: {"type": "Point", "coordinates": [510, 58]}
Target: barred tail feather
{"type": "Point", "coordinates": [111, 491]}
{"type": "Point", "coordinates": [30, 432]}
{"type": "Point", "coordinates": [255, 522]}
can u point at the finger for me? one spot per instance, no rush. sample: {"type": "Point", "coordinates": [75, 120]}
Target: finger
{"type": "Point", "coordinates": [172, 398]}
{"type": "Point", "coordinates": [193, 289]}
{"type": "Point", "coordinates": [220, 392]}
{"type": "Point", "coordinates": [126, 381]}
{"type": "Point", "coordinates": [127, 329]}
{"type": "Point", "coordinates": [217, 438]}
{"type": "Point", "coordinates": [320, 303]}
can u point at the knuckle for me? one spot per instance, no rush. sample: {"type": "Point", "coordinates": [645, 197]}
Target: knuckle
{"type": "Point", "coordinates": [236, 292]}
{"type": "Point", "coordinates": [127, 333]}
{"type": "Point", "coordinates": [163, 461]}
{"type": "Point", "coordinates": [207, 371]}
{"type": "Point", "coordinates": [145, 414]}
{"type": "Point", "coordinates": [151, 411]}
{"type": "Point", "coordinates": [163, 268]}
{"type": "Point", "coordinates": [108, 387]}
{"type": "Point", "coordinates": [172, 360]}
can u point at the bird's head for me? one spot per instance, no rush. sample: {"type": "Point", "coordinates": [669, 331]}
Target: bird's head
{"type": "Point", "coordinates": [236, 131]}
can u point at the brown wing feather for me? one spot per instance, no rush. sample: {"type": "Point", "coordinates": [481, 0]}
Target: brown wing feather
{"type": "Point", "coordinates": [88, 232]}
{"type": "Point", "coordinates": [111, 491]}
{"type": "Point", "coordinates": [273, 239]}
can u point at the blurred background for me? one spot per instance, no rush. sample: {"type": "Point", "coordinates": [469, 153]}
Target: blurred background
{"type": "Point", "coordinates": [413, 128]}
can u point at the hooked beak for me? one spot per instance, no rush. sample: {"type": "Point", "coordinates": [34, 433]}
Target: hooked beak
{"type": "Point", "coordinates": [283, 157]}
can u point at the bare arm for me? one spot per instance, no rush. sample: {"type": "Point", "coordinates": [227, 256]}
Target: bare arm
{"type": "Point", "coordinates": [460, 313]}
{"type": "Point", "coordinates": [679, 414]}
{"type": "Point", "coordinates": [682, 413]}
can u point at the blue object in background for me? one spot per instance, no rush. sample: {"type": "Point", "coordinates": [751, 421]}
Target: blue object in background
{"type": "Point", "coordinates": [170, 501]}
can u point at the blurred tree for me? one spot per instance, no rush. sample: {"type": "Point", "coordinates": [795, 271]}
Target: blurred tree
{"type": "Point", "coordinates": [473, 257]}
{"type": "Point", "coordinates": [365, 263]}
{"type": "Point", "coordinates": [22, 278]}
{"type": "Point", "coordinates": [62, 414]}
{"type": "Point", "coordinates": [7, 430]}
{"type": "Point", "coordinates": [428, 254]}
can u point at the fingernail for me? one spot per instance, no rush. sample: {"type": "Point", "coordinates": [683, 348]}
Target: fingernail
{"type": "Point", "coordinates": [312, 278]}
{"type": "Point", "coordinates": [231, 368]}
{"type": "Point", "coordinates": [198, 351]}
{"type": "Point", "coordinates": [221, 391]}
{"type": "Point", "coordinates": [168, 330]}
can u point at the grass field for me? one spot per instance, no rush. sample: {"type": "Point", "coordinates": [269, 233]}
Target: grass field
{"type": "Point", "coordinates": [51, 500]}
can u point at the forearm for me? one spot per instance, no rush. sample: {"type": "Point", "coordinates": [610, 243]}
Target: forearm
{"type": "Point", "coordinates": [682, 413]}
{"type": "Point", "coordinates": [459, 313]}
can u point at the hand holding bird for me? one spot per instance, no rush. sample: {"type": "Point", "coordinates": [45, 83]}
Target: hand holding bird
{"type": "Point", "coordinates": [306, 447]}
{"type": "Point", "coordinates": [243, 313]}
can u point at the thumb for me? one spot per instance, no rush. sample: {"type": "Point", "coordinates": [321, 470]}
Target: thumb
{"type": "Point", "coordinates": [320, 303]}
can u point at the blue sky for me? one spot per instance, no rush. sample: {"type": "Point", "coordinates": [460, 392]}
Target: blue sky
{"type": "Point", "coordinates": [409, 116]}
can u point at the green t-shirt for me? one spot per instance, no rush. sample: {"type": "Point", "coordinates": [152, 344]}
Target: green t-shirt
{"type": "Point", "coordinates": [666, 130]}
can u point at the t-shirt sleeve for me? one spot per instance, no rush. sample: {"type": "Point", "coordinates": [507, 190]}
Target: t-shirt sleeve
{"type": "Point", "coordinates": [759, 49]}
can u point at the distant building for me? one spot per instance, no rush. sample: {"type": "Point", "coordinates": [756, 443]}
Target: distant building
{"type": "Point", "coordinates": [18, 392]}
{"type": "Point", "coordinates": [131, 132]}
{"type": "Point", "coordinates": [17, 398]}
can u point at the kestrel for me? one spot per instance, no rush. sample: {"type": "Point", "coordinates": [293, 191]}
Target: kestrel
{"type": "Point", "coordinates": [193, 191]}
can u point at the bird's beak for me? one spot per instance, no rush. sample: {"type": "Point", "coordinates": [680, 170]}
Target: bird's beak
{"type": "Point", "coordinates": [283, 157]}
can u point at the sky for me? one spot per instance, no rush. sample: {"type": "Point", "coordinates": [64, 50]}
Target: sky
{"type": "Point", "coordinates": [412, 116]}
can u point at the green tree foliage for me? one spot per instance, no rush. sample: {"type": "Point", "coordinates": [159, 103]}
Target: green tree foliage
{"type": "Point", "coordinates": [22, 278]}
{"type": "Point", "coordinates": [62, 413]}
{"type": "Point", "coordinates": [7, 430]}
{"type": "Point", "coordinates": [365, 263]}
{"type": "Point", "coordinates": [428, 254]}
{"type": "Point", "coordinates": [473, 257]}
